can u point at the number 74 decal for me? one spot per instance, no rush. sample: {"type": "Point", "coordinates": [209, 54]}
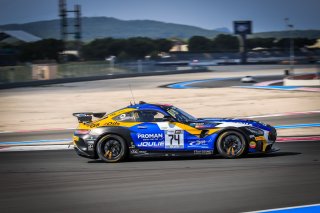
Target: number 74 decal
{"type": "Point", "coordinates": [174, 139]}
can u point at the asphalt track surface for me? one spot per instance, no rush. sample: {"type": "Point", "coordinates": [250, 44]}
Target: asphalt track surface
{"type": "Point", "coordinates": [60, 181]}
{"type": "Point", "coordinates": [64, 134]}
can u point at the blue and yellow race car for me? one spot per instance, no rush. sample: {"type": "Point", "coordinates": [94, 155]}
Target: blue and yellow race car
{"type": "Point", "coordinates": [164, 130]}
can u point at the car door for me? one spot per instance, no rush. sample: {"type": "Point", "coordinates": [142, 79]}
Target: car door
{"type": "Point", "coordinates": [156, 133]}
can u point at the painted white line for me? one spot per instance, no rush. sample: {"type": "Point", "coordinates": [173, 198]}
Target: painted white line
{"type": "Point", "coordinates": [36, 130]}
{"type": "Point", "coordinates": [36, 142]}
{"type": "Point", "coordinates": [286, 208]}
{"type": "Point", "coordinates": [297, 139]}
{"type": "Point", "coordinates": [35, 148]}
{"type": "Point", "coordinates": [267, 83]}
{"type": "Point", "coordinates": [283, 114]}
{"type": "Point", "coordinates": [4, 132]}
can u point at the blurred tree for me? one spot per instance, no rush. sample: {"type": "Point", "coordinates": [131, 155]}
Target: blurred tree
{"type": "Point", "coordinates": [199, 44]}
{"type": "Point", "coordinates": [132, 48]}
{"type": "Point", "coordinates": [260, 42]}
{"type": "Point", "coordinates": [225, 43]}
{"type": "Point", "coordinates": [73, 45]}
{"type": "Point", "coordinates": [139, 47]}
{"type": "Point", "coordinates": [302, 42]}
{"type": "Point", "coordinates": [163, 45]}
{"type": "Point", "coordinates": [117, 46]}
{"type": "Point", "coordinates": [284, 43]}
{"type": "Point", "coordinates": [39, 50]}
{"type": "Point", "coordinates": [97, 49]}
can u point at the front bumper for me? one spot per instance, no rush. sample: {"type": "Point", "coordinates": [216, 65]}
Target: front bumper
{"type": "Point", "coordinates": [263, 143]}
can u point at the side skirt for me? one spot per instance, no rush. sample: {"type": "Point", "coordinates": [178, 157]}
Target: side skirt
{"type": "Point", "coordinates": [169, 153]}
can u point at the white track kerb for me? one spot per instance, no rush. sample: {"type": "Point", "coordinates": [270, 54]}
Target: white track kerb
{"type": "Point", "coordinates": [295, 209]}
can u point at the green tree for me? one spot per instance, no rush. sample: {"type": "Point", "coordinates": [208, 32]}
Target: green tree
{"type": "Point", "coordinates": [132, 48]}
{"type": "Point", "coordinates": [302, 42]}
{"type": "Point", "coordinates": [163, 45]}
{"type": "Point", "coordinates": [199, 44]}
{"type": "Point", "coordinates": [97, 49]}
{"type": "Point", "coordinates": [39, 50]}
{"type": "Point", "coordinates": [139, 47]}
{"type": "Point", "coordinates": [225, 43]}
{"type": "Point", "coordinates": [284, 43]}
{"type": "Point", "coordinates": [260, 42]}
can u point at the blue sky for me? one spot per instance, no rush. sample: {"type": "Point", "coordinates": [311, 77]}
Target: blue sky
{"type": "Point", "coordinates": [267, 15]}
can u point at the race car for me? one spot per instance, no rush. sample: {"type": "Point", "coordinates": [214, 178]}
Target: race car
{"type": "Point", "coordinates": [146, 129]}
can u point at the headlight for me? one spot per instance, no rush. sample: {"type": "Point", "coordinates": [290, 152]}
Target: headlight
{"type": "Point", "coordinates": [255, 131]}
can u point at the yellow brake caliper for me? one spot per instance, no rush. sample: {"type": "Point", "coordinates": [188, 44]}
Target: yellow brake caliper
{"type": "Point", "coordinates": [108, 154]}
{"type": "Point", "coordinates": [230, 151]}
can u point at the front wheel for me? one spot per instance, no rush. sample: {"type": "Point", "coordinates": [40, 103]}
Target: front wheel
{"type": "Point", "coordinates": [232, 144]}
{"type": "Point", "coordinates": [111, 148]}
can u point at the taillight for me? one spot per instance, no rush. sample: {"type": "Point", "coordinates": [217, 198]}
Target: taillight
{"type": "Point", "coordinates": [81, 132]}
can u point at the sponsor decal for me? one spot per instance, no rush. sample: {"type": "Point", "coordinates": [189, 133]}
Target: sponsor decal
{"type": "Point", "coordinates": [150, 136]}
{"type": "Point", "coordinates": [112, 123]}
{"type": "Point", "coordinates": [90, 147]}
{"type": "Point", "coordinates": [94, 125]}
{"type": "Point", "coordinates": [260, 138]}
{"type": "Point", "coordinates": [132, 145]}
{"type": "Point", "coordinates": [134, 151]}
{"type": "Point", "coordinates": [90, 143]}
{"type": "Point", "coordinates": [203, 152]}
{"type": "Point", "coordinates": [151, 144]}
{"type": "Point", "coordinates": [252, 145]}
{"type": "Point", "coordinates": [199, 125]}
{"type": "Point", "coordinates": [198, 143]}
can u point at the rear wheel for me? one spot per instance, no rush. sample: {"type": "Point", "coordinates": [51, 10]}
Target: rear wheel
{"type": "Point", "coordinates": [111, 148]}
{"type": "Point", "coordinates": [232, 144]}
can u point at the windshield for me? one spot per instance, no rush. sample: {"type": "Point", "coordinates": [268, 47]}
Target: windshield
{"type": "Point", "coordinates": [180, 115]}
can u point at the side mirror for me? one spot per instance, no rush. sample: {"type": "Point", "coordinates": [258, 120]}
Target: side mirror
{"type": "Point", "coordinates": [168, 118]}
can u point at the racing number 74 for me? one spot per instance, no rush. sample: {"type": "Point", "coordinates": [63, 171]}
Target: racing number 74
{"type": "Point", "coordinates": [175, 137]}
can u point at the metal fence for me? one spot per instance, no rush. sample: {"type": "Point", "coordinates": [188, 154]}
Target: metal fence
{"type": "Point", "coordinates": [23, 73]}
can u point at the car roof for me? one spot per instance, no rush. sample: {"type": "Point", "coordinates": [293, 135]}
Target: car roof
{"type": "Point", "coordinates": [144, 105]}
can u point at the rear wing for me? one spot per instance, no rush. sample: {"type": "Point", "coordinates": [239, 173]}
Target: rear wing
{"type": "Point", "coordinates": [86, 117]}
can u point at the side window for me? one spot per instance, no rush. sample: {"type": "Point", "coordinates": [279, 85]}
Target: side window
{"type": "Point", "coordinates": [125, 117]}
{"type": "Point", "coordinates": [158, 117]}
{"type": "Point", "coordinates": [149, 116]}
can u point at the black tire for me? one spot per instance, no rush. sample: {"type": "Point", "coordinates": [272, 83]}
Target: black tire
{"type": "Point", "coordinates": [232, 144]}
{"type": "Point", "coordinates": [111, 148]}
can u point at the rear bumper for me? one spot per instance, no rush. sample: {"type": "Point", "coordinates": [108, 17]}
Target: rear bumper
{"type": "Point", "coordinates": [82, 153]}
{"type": "Point", "coordinates": [84, 147]}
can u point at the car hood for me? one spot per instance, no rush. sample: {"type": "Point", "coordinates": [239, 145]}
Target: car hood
{"type": "Point", "coordinates": [207, 123]}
